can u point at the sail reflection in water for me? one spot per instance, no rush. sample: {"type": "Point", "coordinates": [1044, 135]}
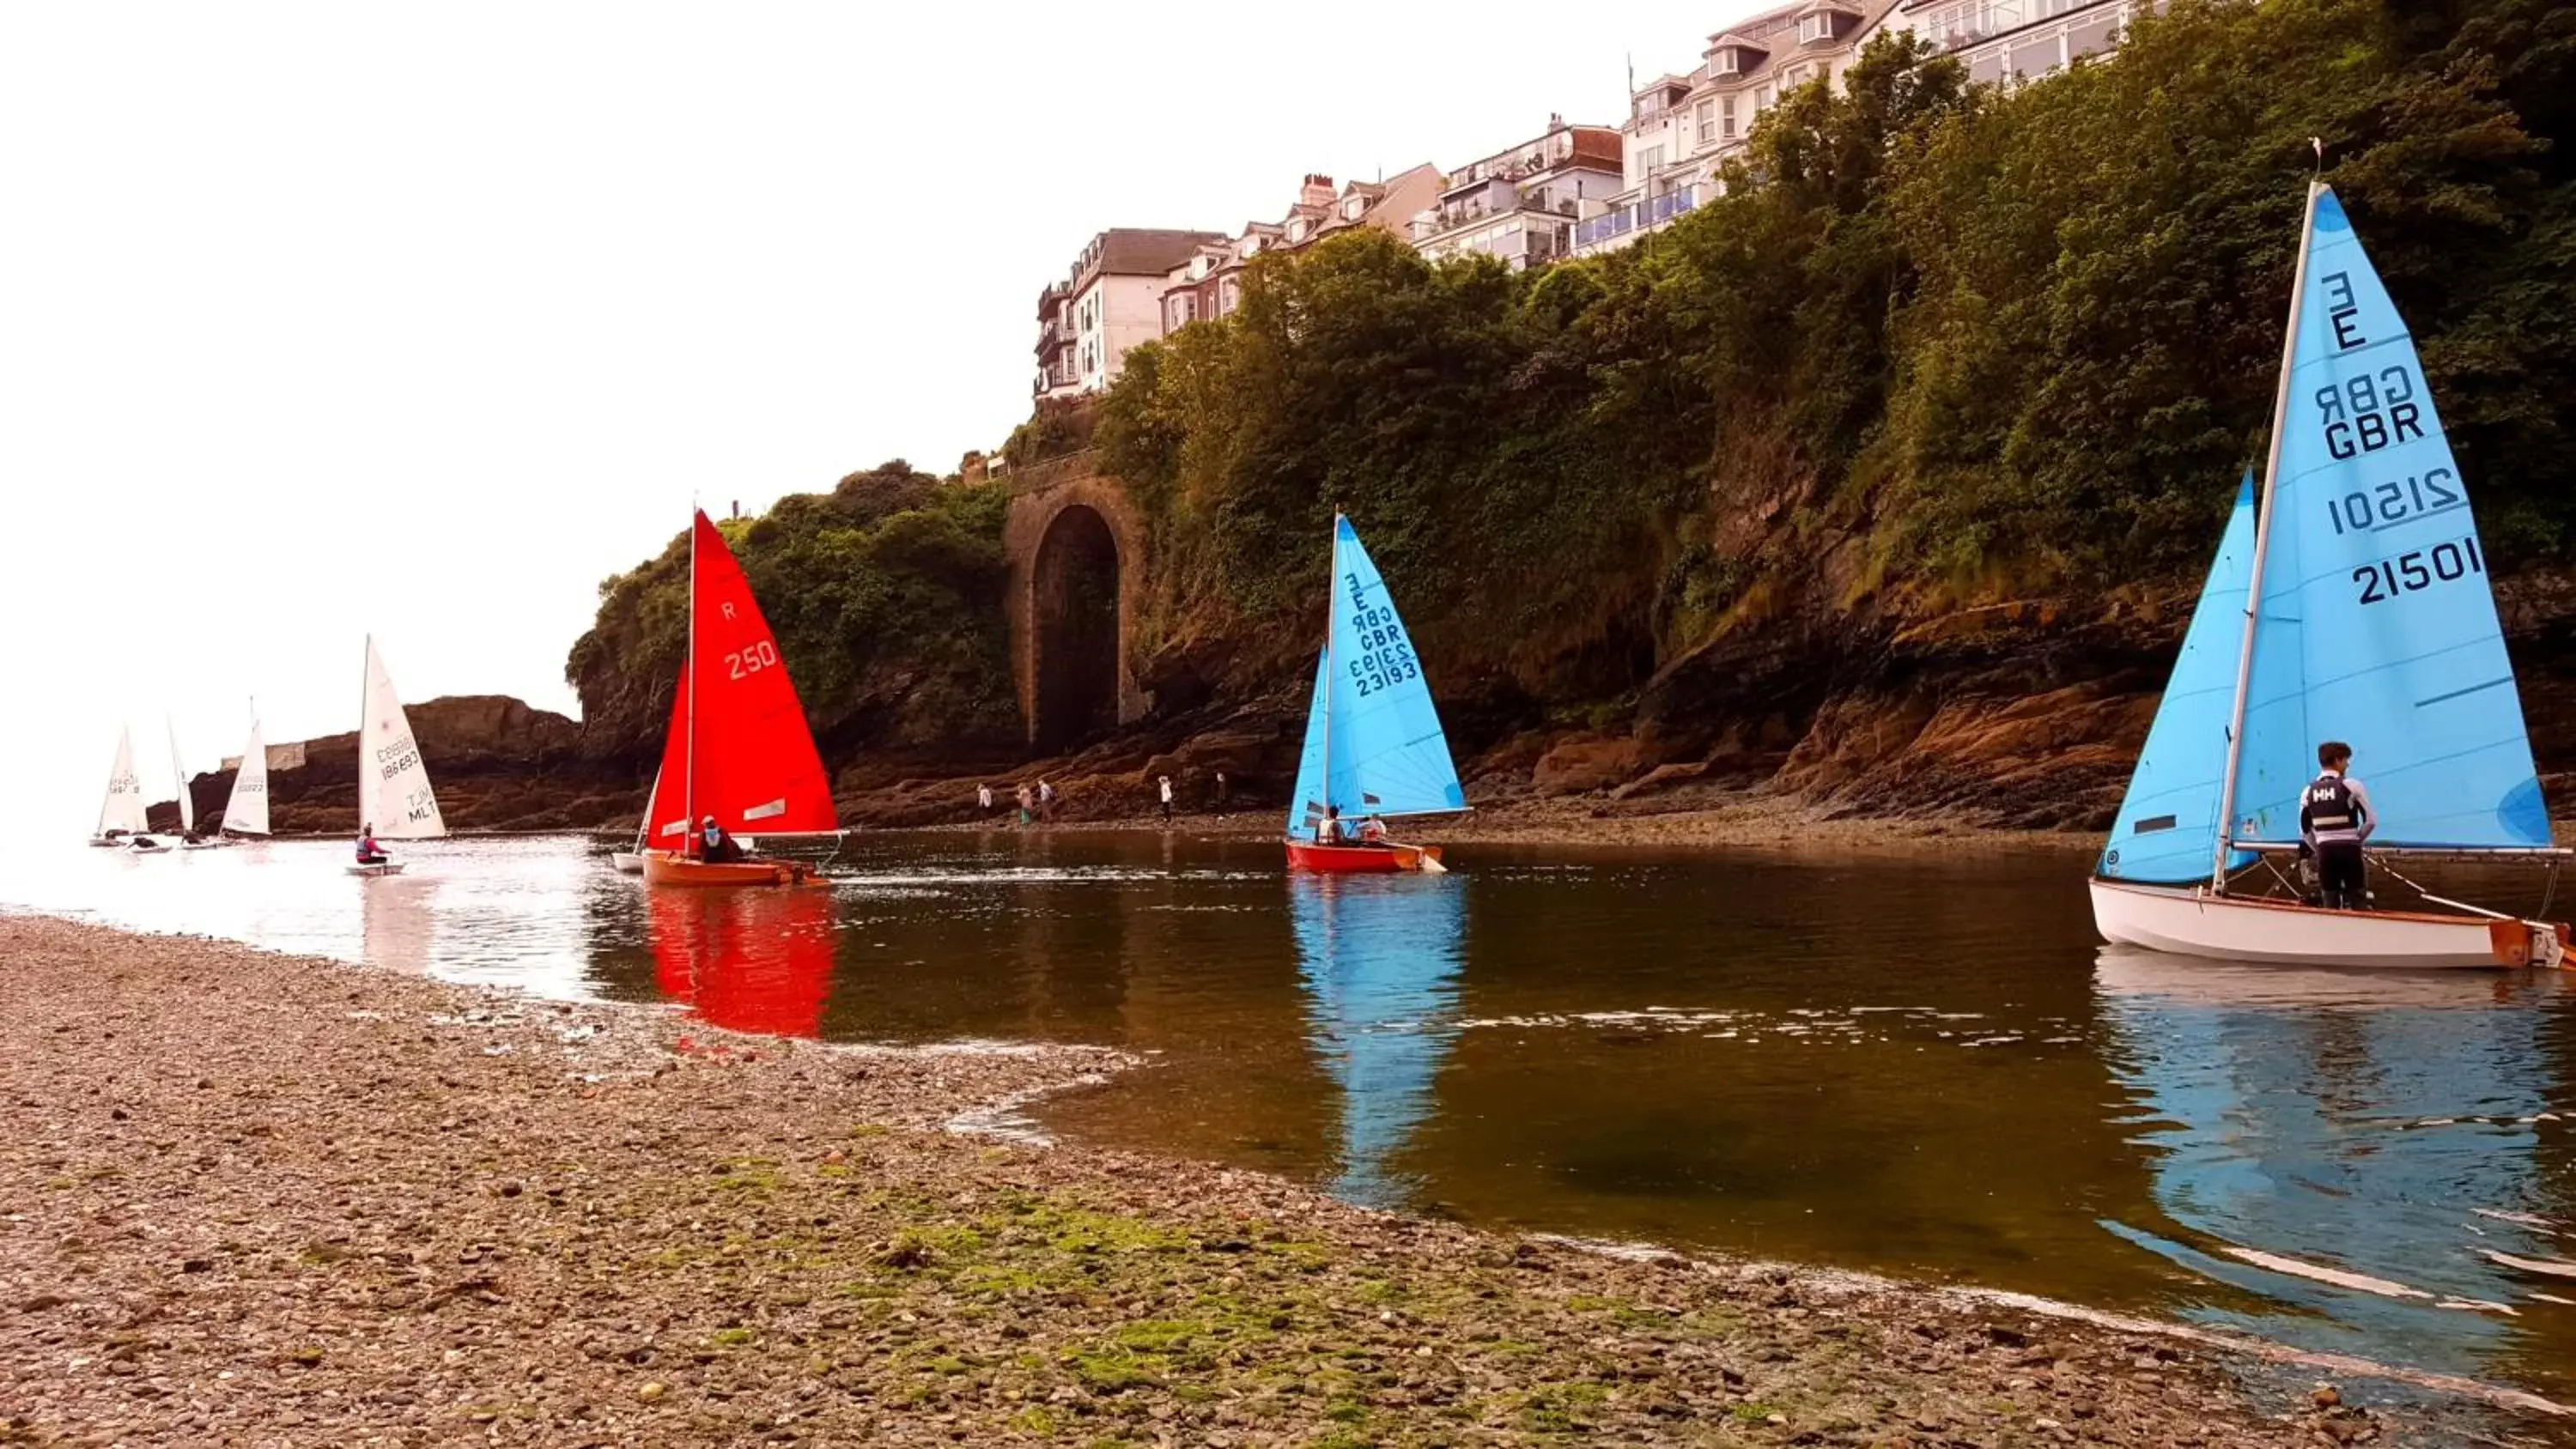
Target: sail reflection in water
{"type": "Point", "coordinates": [745, 960]}
{"type": "Point", "coordinates": [2347, 1148]}
{"type": "Point", "coordinates": [1379, 955]}
{"type": "Point", "coordinates": [398, 922]}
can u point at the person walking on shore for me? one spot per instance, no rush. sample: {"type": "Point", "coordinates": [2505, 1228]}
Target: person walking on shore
{"type": "Point", "coordinates": [1220, 790]}
{"type": "Point", "coordinates": [1046, 802]}
{"type": "Point", "coordinates": [984, 798]}
{"type": "Point", "coordinates": [1163, 783]}
{"type": "Point", "coordinates": [1026, 801]}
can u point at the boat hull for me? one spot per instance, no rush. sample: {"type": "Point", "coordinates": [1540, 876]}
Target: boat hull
{"type": "Point", "coordinates": [2191, 922]}
{"type": "Point", "coordinates": [1358, 859]}
{"type": "Point", "coordinates": [669, 868]}
{"type": "Point", "coordinates": [387, 867]}
{"type": "Point", "coordinates": [628, 862]}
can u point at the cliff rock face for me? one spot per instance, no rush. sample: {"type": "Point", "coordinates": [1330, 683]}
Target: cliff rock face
{"type": "Point", "coordinates": [496, 763]}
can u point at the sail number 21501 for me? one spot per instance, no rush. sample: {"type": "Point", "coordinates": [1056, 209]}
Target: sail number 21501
{"type": "Point", "coordinates": [760, 656]}
{"type": "Point", "coordinates": [2418, 569]}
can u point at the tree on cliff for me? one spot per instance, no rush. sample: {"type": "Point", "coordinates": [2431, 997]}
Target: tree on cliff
{"type": "Point", "coordinates": [885, 595]}
{"type": "Point", "coordinates": [1933, 344]}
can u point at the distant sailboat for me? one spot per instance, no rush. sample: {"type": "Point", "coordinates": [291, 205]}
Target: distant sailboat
{"type": "Point", "coordinates": [187, 798]}
{"type": "Point", "coordinates": [1374, 747]}
{"type": "Point", "coordinates": [2352, 604]}
{"type": "Point", "coordinates": [246, 812]}
{"type": "Point", "coordinates": [738, 749]}
{"type": "Point", "coordinates": [631, 862]}
{"type": "Point", "coordinates": [394, 798]}
{"type": "Point", "coordinates": [121, 814]}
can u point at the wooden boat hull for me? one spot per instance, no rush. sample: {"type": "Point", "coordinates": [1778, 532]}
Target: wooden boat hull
{"type": "Point", "coordinates": [2189, 921]}
{"type": "Point", "coordinates": [628, 862]}
{"type": "Point", "coordinates": [388, 867]}
{"type": "Point", "coordinates": [669, 868]}
{"type": "Point", "coordinates": [1358, 859]}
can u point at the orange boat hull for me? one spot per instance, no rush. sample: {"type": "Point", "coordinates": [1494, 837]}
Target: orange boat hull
{"type": "Point", "coordinates": [669, 868]}
{"type": "Point", "coordinates": [1358, 859]}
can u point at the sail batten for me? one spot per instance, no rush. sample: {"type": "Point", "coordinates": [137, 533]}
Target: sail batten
{"type": "Point", "coordinates": [1374, 745]}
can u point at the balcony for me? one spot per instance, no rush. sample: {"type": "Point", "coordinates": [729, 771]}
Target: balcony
{"type": "Point", "coordinates": [1053, 336]}
{"type": "Point", "coordinates": [1636, 216]}
{"type": "Point", "coordinates": [1055, 379]}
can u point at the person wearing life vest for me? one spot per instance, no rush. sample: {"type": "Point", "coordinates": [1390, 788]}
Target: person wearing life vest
{"type": "Point", "coordinates": [369, 853]}
{"type": "Point", "coordinates": [1328, 831]}
{"type": "Point", "coordinates": [2334, 819]}
{"type": "Point", "coordinates": [714, 846]}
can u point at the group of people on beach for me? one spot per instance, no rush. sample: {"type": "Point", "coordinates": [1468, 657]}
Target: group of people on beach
{"type": "Point", "coordinates": [1036, 801]}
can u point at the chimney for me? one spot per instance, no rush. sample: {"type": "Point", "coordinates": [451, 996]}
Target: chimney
{"type": "Point", "coordinates": [1555, 122]}
{"type": "Point", "coordinates": [1318, 190]}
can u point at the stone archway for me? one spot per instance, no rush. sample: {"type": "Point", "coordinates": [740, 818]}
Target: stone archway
{"type": "Point", "coordinates": [1077, 581]}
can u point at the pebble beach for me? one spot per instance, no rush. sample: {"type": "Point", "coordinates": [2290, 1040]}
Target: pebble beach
{"type": "Point", "coordinates": [256, 1199]}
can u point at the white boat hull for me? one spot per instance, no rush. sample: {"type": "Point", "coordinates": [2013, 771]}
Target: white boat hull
{"type": "Point", "coordinates": [390, 867]}
{"type": "Point", "coordinates": [2191, 922]}
{"type": "Point", "coordinates": [628, 862]}
{"type": "Point", "coordinates": [147, 847]}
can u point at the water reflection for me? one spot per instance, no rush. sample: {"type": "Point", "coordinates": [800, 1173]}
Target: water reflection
{"type": "Point", "coordinates": [745, 960]}
{"type": "Point", "coordinates": [398, 921]}
{"type": "Point", "coordinates": [1379, 957]}
{"type": "Point", "coordinates": [2347, 1148]}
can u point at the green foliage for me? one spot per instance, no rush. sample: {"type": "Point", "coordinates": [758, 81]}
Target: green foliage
{"type": "Point", "coordinates": [885, 595]}
{"type": "Point", "coordinates": [1932, 342]}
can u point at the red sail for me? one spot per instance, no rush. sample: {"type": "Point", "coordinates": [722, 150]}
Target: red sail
{"type": "Point", "coordinates": [744, 754]}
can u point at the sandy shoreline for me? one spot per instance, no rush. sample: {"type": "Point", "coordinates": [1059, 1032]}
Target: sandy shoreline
{"type": "Point", "coordinates": [264, 1199]}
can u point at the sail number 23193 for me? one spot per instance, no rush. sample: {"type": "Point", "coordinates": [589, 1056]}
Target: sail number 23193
{"type": "Point", "coordinates": [2418, 569]}
{"type": "Point", "coordinates": [760, 656]}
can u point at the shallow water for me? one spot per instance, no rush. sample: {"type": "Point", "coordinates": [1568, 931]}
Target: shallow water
{"type": "Point", "coordinates": [1924, 1066]}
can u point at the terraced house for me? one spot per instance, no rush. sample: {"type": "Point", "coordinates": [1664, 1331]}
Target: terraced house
{"type": "Point", "coordinates": [1681, 126]}
{"type": "Point", "coordinates": [1111, 300]}
{"type": "Point", "coordinates": [1521, 204]}
{"type": "Point", "coordinates": [1210, 283]}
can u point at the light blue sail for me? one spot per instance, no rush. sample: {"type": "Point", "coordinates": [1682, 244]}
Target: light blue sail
{"type": "Point", "coordinates": [1379, 956]}
{"type": "Point", "coordinates": [2167, 830]}
{"type": "Point", "coordinates": [1371, 716]}
{"type": "Point", "coordinates": [2377, 624]}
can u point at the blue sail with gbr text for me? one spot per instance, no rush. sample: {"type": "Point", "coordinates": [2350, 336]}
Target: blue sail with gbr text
{"type": "Point", "coordinates": [2167, 830]}
{"type": "Point", "coordinates": [1387, 752]}
{"type": "Point", "coordinates": [2377, 625]}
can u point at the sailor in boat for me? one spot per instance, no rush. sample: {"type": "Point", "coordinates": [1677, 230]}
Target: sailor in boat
{"type": "Point", "coordinates": [1372, 831]}
{"type": "Point", "coordinates": [2335, 818]}
{"type": "Point", "coordinates": [370, 853]}
{"type": "Point", "coordinates": [1328, 831]}
{"type": "Point", "coordinates": [714, 846]}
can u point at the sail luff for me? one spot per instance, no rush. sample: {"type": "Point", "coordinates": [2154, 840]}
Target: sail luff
{"type": "Point", "coordinates": [2262, 542]}
{"type": "Point", "coordinates": [187, 805]}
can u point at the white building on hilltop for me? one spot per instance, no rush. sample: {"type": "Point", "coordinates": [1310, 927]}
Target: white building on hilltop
{"type": "Point", "coordinates": [1521, 204]}
{"type": "Point", "coordinates": [1680, 127]}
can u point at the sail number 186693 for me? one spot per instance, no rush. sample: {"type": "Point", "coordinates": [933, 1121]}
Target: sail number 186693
{"type": "Point", "coordinates": [2418, 569]}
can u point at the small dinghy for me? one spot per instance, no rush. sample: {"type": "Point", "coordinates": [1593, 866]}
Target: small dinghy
{"type": "Point", "coordinates": [739, 749]}
{"type": "Point", "coordinates": [246, 811]}
{"type": "Point", "coordinates": [146, 845]}
{"type": "Point", "coordinates": [394, 798]}
{"type": "Point", "coordinates": [120, 815]}
{"type": "Point", "coordinates": [631, 862]}
{"type": "Point", "coordinates": [1374, 747]}
{"type": "Point", "coordinates": [188, 837]}
{"type": "Point", "coordinates": [2350, 603]}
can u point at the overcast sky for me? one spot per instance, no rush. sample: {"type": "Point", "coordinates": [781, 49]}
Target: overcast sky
{"type": "Point", "coordinates": [325, 319]}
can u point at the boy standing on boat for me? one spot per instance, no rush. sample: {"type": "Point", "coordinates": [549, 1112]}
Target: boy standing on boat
{"type": "Point", "coordinates": [2335, 818]}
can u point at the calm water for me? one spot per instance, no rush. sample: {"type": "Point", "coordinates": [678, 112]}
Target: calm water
{"type": "Point", "coordinates": [1920, 1066]}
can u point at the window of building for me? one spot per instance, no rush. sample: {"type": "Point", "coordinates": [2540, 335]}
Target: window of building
{"type": "Point", "coordinates": [1730, 61]}
{"type": "Point", "coordinates": [1761, 99]}
{"type": "Point", "coordinates": [1251, 246]}
{"type": "Point", "coordinates": [1726, 117]}
{"type": "Point", "coordinates": [1817, 25]}
{"type": "Point", "coordinates": [1707, 122]}
{"type": "Point", "coordinates": [1987, 69]}
{"type": "Point", "coordinates": [2039, 57]}
{"type": "Point", "coordinates": [1794, 77]}
{"type": "Point", "coordinates": [2092, 37]}
{"type": "Point", "coordinates": [1353, 206]}
{"type": "Point", "coordinates": [1648, 158]}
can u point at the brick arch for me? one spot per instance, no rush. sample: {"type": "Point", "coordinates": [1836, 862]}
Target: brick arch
{"type": "Point", "coordinates": [1044, 519]}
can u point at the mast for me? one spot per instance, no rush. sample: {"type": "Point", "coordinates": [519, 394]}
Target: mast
{"type": "Point", "coordinates": [1334, 563]}
{"type": "Point", "coordinates": [689, 684]}
{"type": "Point", "coordinates": [366, 686]}
{"type": "Point", "coordinates": [2262, 545]}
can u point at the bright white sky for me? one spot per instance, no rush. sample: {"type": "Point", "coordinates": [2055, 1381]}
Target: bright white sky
{"type": "Point", "coordinates": [324, 319]}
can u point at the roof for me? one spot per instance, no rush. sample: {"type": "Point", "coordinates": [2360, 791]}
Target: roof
{"type": "Point", "coordinates": [1140, 252]}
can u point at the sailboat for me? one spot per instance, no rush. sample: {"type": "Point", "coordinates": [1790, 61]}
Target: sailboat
{"type": "Point", "coordinates": [120, 816]}
{"type": "Point", "coordinates": [631, 862]}
{"type": "Point", "coordinates": [394, 798]}
{"type": "Point", "coordinates": [2349, 602]}
{"type": "Point", "coordinates": [738, 750]}
{"type": "Point", "coordinates": [187, 798]}
{"type": "Point", "coordinates": [246, 811]}
{"type": "Point", "coordinates": [1373, 741]}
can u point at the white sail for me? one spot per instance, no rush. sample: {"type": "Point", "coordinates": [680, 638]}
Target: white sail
{"type": "Point", "coordinates": [123, 809]}
{"type": "Point", "coordinates": [393, 784]}
{"type": "Point", "coordinates": [246, 813]}
{"type": "Point", "coordinates": [187, 804]}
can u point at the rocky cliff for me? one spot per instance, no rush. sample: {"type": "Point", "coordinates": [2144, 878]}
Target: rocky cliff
{"type": "Point", "coordinates": [496, 763]}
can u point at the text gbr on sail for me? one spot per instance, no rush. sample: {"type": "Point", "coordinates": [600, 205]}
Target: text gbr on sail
{"type": "Point", "coordinates": [2372, 411]}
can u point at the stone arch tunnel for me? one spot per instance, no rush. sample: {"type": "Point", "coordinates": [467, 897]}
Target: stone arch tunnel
{"type": "Point", "coordinates": [1076, 547]}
